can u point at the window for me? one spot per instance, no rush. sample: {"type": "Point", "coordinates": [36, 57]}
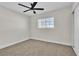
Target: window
{"type": "Point", "coordinates": [46, 23]}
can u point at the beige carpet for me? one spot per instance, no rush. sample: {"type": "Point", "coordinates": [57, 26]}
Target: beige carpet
{"type": "Point", "coordinates": [37, 48]}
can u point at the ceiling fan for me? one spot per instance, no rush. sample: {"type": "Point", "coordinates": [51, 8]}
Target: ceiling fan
{"type": "Point", "coordinates": [32, 7]}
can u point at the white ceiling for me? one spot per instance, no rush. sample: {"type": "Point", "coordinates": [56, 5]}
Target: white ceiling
{"type": "Point", "coordinates": [48, 6]}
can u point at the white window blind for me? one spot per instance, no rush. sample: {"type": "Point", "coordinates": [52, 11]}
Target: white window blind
{"type": "Point", "coordinates": [46, 23]}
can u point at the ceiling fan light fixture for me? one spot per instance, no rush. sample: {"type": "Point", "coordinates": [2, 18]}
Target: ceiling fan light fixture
{"type": "Point", "coordinates": [32, 7]}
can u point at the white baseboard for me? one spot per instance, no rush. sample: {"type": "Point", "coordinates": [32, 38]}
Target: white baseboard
{"type": "Point", "coordinates": [75, 51]}
{"type": "Point", "coordinates": [51, 41]}
{"type": "Point", "coordinates": [4, 46]}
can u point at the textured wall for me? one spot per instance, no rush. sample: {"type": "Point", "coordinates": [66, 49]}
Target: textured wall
{"type": "Point", "coordinates": [13, 27]}
{"type": "Point", "coordinates": [62, 33]}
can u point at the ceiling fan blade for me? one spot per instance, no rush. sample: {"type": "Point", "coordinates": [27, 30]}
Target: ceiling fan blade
{"type": "Point", "coordinates": [23, 5]}
{"type": "Point", "coordinates": [33, 5]}
{"type": "Point", "coordinates": [38, 8]}
{"type": "Point", "coordinates": [27, 10]}
{"type": "Point", "coordinates": [34, 12]}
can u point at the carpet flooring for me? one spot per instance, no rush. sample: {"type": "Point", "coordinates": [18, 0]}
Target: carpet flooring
{"type": "Point", "coordinates": [33, 47]}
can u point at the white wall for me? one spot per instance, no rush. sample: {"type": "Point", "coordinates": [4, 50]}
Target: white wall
{"type": "Point", "coordinates": [76, 29]}
{"type": "Point", "coordinates": [13, 27]}
{"type": "Point", "coordinates": [62, 33]}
